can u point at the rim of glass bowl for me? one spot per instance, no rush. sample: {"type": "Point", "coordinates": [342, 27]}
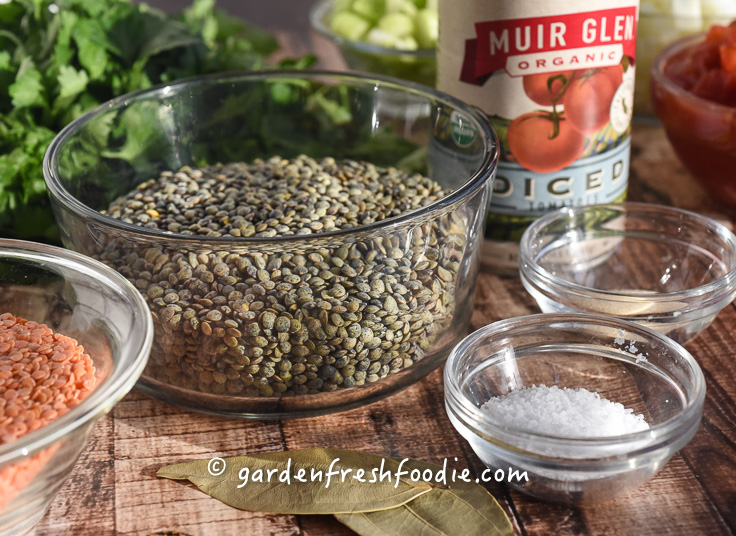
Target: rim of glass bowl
{"type": "Point", "coordinates": [658, 77]}
{"type": "Point", "coordinates": [317, 16]}
{"type": "Point", "coordinates": [473, 183]}
{"type": "Point", "coordinates": [475, 419]}
{"type": "Point", "coordinates": [123, 375]}
{"type": "Point", "coordinates": [537, 275]}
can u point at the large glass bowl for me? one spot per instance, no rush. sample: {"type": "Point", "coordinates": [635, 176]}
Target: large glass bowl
{"type": "Point", "coordinates": [701, 132]}
{"type": "Point", "coordinates": [320, 359]}
{"type": "Point", "coordinates": [414, 65]}
{"type": "Point", "coordinates": [668, 269]}
{"type": "Point", "coordinates": [81, 298]}
{"type": "Point", "coordinates": [621, 361]}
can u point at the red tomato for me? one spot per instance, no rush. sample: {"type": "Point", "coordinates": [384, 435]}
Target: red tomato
{"type": "Point", "coordinates": [532, 141]}
{"type": "Point", "coordinates": [716, 33]}
{"type": "Point", "coordinates": [728, 57]}
{"type": "Point", "coordinates": [717, 86]}
{"type": "Point", "coordinates": [546, 88]}
{"type": "Point", "coordinates": [588, 99]}
{"type": "Point", "coordinates": [708, 69]}
{"type": "Point", "coordinates": [686, 67]}
{"type": "Point", "coordinates": [703, 57]}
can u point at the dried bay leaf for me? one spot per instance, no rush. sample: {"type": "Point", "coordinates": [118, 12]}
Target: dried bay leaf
{"type": "Point", "coordinates": [275, 495]}
{"type": "Point", "coordinates": [460, 508]}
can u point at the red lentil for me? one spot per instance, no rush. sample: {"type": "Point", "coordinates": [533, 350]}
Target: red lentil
{"type": "Point", "coordinates": [42, 376]}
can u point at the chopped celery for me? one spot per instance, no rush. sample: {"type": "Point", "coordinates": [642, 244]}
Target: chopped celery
{"type": "Point", "coordinates": [384, 39]}
{"type": "Point", "coordinates": [397, 24]}
{"type": "Point", "coordinates": [381, 38]}
{"type": "Point", "coordinates": [408, 43]}
{"type": "Point", "coordinates": [341, 5]}
{"type": "Point", "coordinates": [427, 24]}
{"type": "Point", "coordinates": [369, 9]}
{"type": "Point", "coordinates": [402, 24]}
{"type": "Point", "coordinates": [401, 6]}
{"type": "Point", "coordinates": [349, 25]}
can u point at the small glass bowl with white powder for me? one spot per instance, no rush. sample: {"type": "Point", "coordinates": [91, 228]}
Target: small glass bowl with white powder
{"type": "Point", "coordinates": [663, 267]}
{"type": "Point", "coordinates": [589, 406]}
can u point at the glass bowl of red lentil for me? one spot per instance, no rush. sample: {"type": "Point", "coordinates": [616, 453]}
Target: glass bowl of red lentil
{"type": "Point", "coordinates": [328, 261]}
{"type": "Point", "coordinates": [74, 338]}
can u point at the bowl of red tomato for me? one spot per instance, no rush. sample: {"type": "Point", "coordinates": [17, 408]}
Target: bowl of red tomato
{"type": "Point", "coordinates": [693, 91]}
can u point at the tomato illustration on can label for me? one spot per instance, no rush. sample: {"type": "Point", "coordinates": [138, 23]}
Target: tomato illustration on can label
{"type": "Point", "coordinates": [544, 142]}
{"type": "Point", "coordinates": [588, 98]}
{"type": "Point", "coordinates": [556, 80]}
{"type": "Point", "coordinates": [568, 118]}
{"type": "Point", "coordinates": [546, 88]}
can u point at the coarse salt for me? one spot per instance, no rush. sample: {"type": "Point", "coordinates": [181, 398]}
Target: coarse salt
{"type": "Point", "coordinates": [564, 412]}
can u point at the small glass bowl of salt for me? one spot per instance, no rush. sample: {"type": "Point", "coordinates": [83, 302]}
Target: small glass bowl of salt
{"type": "Point", "coordinates": [663, 267]}
{"type": "Point", "coordinates": [586, 407]}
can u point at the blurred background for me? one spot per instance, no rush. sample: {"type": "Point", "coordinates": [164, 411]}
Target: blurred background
{"type": "Point", "coordinates": [287, 19]}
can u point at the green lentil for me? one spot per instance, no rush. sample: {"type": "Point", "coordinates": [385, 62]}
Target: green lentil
{"type": "Point", "coordinates": [285, 321]}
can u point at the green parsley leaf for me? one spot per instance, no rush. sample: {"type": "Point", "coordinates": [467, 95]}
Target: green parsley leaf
{"type": "Point", "coordinates": [71, 82]}
{"type": "Point", "coordinates": [61, 58]}
{"type": "Point", "coordinates": [27, 90]}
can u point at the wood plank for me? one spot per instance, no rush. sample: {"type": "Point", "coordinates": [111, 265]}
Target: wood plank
{"type": "Point", "coordinates": [711, 455]}
{"type": "Point", "coordinates": [150, 434]}
{"type": "Point", "coordinates": [410, 424]}
{"type": "Point", "coordinates": [114, 490]}
{"type": "Point", "coordinates": [672, 502]}
{"type": "Point", "coordinates": [86, 502]}
{"type": "Point", "coordinates": [499, 297]}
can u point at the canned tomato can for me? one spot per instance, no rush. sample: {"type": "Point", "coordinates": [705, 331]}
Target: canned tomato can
{"type": "Point", "coordinates": [556, 80]}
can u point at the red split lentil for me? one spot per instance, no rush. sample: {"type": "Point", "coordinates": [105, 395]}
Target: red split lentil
{"type": "Point", "coordinates": [42, 376]}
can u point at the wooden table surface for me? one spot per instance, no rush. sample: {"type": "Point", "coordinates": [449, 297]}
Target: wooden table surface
{"type": "Point", "coordinates": [114, 490]}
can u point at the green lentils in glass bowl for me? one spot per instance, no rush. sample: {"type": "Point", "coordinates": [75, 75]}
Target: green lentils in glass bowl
{"type": "Point", "coordinates": [280, 323]}
{"type": "Point", "coordinates": [290, 285]}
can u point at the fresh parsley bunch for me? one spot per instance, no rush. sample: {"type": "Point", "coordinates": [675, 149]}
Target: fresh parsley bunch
{"type": "Point", "coordinates": [61, 58]}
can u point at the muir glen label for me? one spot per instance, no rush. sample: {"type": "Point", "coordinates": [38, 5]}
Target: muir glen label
{"type": "Point", "coordinates": [556, 80]}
